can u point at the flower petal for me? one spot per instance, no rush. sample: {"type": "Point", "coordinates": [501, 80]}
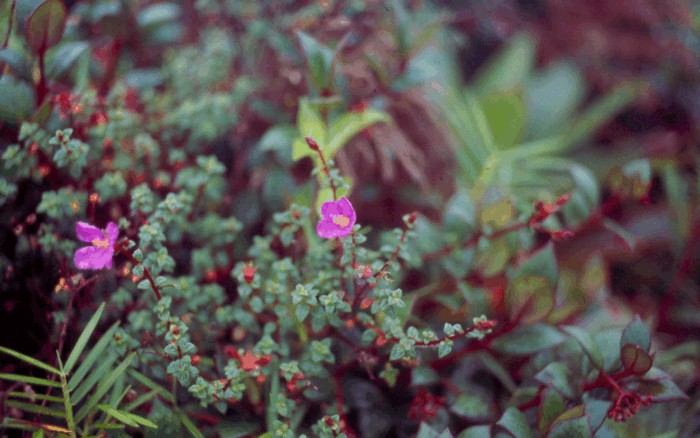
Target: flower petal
{"type": "Point", "coordinates": [330, 208]}
{"type": "Point", "coordinates": [87, 232]}
{"type": "Point", "coordinates": [112, 233]}
{"type": "Point", "coordinates": [92, 257]}
{"type": "Point", "coordinates": [327, 229]}
{"type": "Point", "coordinates": [347, 210]}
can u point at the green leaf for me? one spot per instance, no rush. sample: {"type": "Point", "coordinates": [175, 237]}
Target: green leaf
{"type": "Point", "coordinates": [505, 113]}
{"type": "Point", "coordinates": [147, 382]}
{"type": "Point", "coordinates": [573, 428]}
{"type": "Point", "coordinates": [425, 431]}
{"type": "Point", "coordinates": [556, 375]}
{"type": "Point", "coordinates": [158, 14]}
{"type": "Point", "coordinates": [459, 216]}
{"type": "Point", "coordinates": [310, 124]}
{"type": "Point", "coordinates": [103, 387]}
{"type": "Point", "coordinates": [29, 380]}
{"type": "Point", "coordinates": [107, 409]}
{"type": "Point", "coordinates": [35, 396]}
{"type": "Point", "coordinates": [63, 56]}
{"type": "Point", "coordinates": [94, 354]}
{"type": "Point", "coordinates": [551, 406]}
{"type": "Point", "coordinates": [510, 68]}
{"type": "Point", "coordinates": [18, 62]}
{"type": "Point", "coordinates": [636, 333]}
{"type": "Point", "coordinates": [497, 370]}
{"type": "Point", "coordinates": [600, 112]}
{"type": "Point", "coordinates": [541, 263]}
{"type": "Point", "coordinates": [659, 385]}
{"type": "Point", "coordinates": [590, 349]}
{"type": "Point", "coordinates": [90, 381]}
{"type": "Point", "coordinates": [35, 408]}
{"type": "Point", "coordinates": [597, 411]}
{"type": "Point", "coordinates": [552, 95]}
{"type": "Point", "coordinates": [529, 339]}
{"type": "Point", "coordinates": [279, 139]}
{"type": "Point", "coordinates": [473, 406]}
{"type": "Point", "coordinates": [476, 432]}
{"type": "Point", "coordinates": [515, 423]}
{"type": "Point", "coordinates": [319, 58]}
{"type": "Point", "coordinates": [83, 340]}
{"type": "Point", "coordinates": [45, 25]}
{"type": "Point", "coordinates": [529, 299]}
{"type": "Point", "coordinates": [30, 360]}
{"type": "Point", "coordinates": [189, 424]}
{"type": "Point", "coordinates": [345, 127]}
{"type": "Point", "coordinates": [635, 359]}
{"type": "Point", "coordinates": [22, 97]}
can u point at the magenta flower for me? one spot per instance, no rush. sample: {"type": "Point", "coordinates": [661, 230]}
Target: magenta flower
{"type": "Point", "coordinates": [99, 255]}
{"type": "Point", "coordinates": [337, 219]}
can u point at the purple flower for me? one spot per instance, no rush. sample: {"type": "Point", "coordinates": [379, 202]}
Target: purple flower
{"type": "Point", "coordinates": [337, 219]}
{"type": "Point", "coordinates": [99, 255]}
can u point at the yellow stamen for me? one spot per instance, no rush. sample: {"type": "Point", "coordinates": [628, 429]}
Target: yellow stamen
{"type": "Point", "coordinates": [101, 243]}
{"type": "Point", "coordinates": [341, 220]}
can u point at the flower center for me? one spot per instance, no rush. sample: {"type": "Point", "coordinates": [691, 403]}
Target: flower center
{"type": "Point", "coordinates": [341, 220]}
{"type": "Point", "coordinates": [101, 243]}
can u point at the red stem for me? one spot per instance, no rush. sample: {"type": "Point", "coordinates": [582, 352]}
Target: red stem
{"type": "Point", "coordinates": [119, 247]}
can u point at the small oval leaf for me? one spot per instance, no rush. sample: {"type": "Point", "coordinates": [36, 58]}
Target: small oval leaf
{"type": "Point", "coordinates": [45, 25]}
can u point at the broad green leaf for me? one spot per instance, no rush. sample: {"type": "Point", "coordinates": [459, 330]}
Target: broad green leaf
{"type": "Point", "coordinates": [497, 370]}
{"type": "Point", "coordinates": [529, 298]}
{"type": "Point", "coordinates": [21, 94]}
{"type": "Point", "coordinates": [541, 263]}
{"type": "Point", "coordinates": [551, 406]}
{"type": "Point", "coordinates": [279, 139]}
{"type": "Point", "coordinates": [515, 423]}
{"type": "Point", "coordinates": [589, 347]}
{"type": "Point", "coordinates": [29, 380]}
{"type": "Point", "coordinates": [476, 432]}
{"type": "Point", "coordinates": [310, 124]}
{"type": "Point", "coordinates": [158, 14]}
{"type": "Point", "coordinates": [658, 384]}
{"type": "Point", "coordinates": [635, 359]}
{"type": "Point", "coordinates": [30, 360]}
{"type": "Point", "coordinates": [345, 127]}
{"type": "Point", "coordinates": [459, 216]}
{"type": "Point", "coordinates": [425, 431]}
{"type": "Point", "coordinates": [472, 406]}
{"type": "Point", "coordinates": [529, 339]}
{"type": "Point", "coordinates": [45, 25]}
{"type": "Point", "coordinates": [83, 340]}
{"type": "Point", "coordinates": [103, 387]}
{"type": "Point", "coordinates": [319, 58]}
{"type": "Point", "coordinates": [597, 411]}
{"type": "Point", "coordinates": [552, 95]}
{"type": "Point", "coordinates": [95, 353]}
{"type": "Point", "coordinates": [637, 333]}
{"type": "Point", "coordinates": [572, 428]}
{"type": "Point", "coordinates": [510, 68]}
{"type": "Point", "coordinates": [505, 114]}
{"type": "Point", "coordinates": [62, 57]}
{"type": "Point", "coordinates": [556, 375]}
{"type": "Point", "coordinates": [18, 62]}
